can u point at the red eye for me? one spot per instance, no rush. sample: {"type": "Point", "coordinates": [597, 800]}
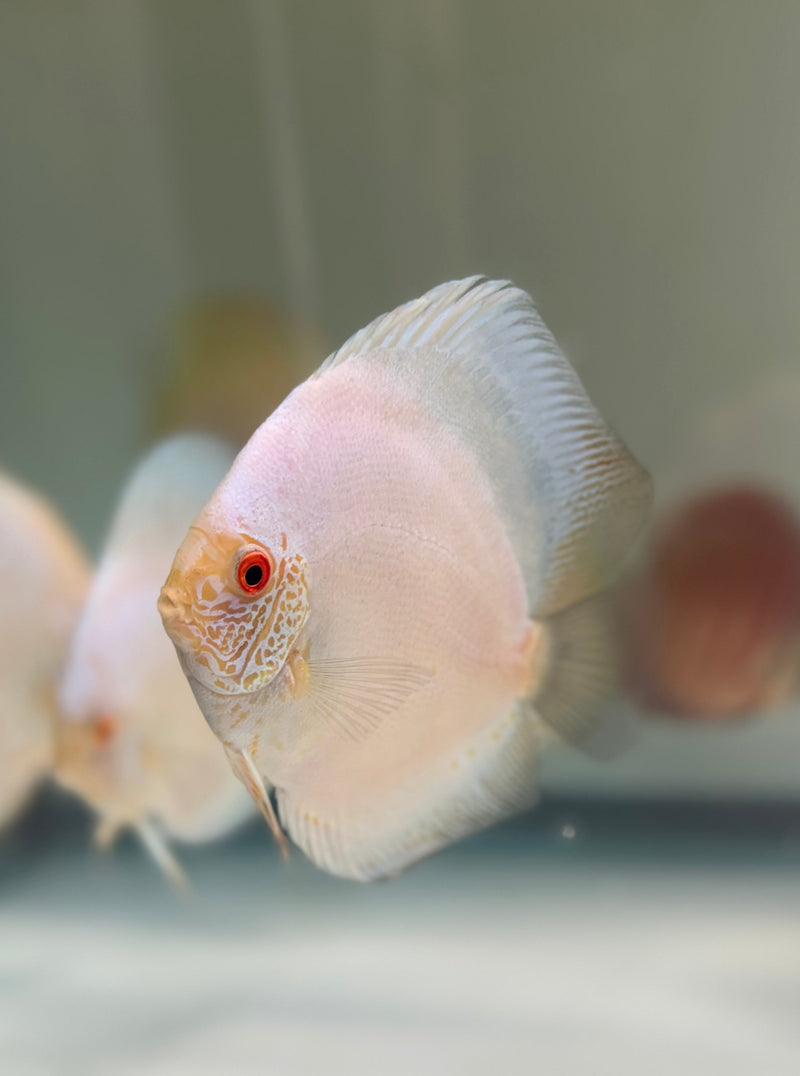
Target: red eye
{"type": "Point", "coordinates": [254, 571]}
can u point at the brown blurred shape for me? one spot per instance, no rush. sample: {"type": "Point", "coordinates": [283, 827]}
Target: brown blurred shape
{"type": "Point", "coordinates": [231, 361]}
{"type": "Point", "coordinates": [712, 621]}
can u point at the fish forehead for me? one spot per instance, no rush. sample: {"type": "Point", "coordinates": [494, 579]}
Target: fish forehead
{"type": "Point", "coordinates": [345, 445]}
{"type": "Point", "coordinates": [207, 551]}
{"type": "Point", "coordinates": [291, 454]}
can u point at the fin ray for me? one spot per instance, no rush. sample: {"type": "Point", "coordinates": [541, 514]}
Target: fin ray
{"type": "Point", "coordinates": [354, 697]}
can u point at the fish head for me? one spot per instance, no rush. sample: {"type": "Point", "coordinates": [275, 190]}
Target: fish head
{"type": "Point", "coordinates": [235, 606]}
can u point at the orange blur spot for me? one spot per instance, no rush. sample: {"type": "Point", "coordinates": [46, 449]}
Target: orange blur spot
{"type": "Point", "coordinates": [104, 728]}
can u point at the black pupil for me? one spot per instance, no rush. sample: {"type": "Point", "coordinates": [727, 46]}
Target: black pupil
{"type": "Point", "coordinates": [253, 575]}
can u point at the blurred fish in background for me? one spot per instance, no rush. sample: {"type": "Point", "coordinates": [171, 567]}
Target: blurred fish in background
{"type": "Point", "coordinates": [44, 575]}
{"type": "Point", "coordinates": [132, 741]}
{"type": "Point", "coordinates": [711, 618]}
{"type": "Point", "coordinates": [230, 361]}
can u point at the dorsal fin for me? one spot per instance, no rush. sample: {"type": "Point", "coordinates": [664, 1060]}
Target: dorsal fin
{"type": "Point", "coordinates": [482, 361]}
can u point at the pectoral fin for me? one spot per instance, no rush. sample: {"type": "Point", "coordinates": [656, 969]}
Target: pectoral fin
{"type": "Point", "coordinates": [354, 697]}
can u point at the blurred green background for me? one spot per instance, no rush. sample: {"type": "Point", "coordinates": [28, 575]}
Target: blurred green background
{"type": "Point", "coordinates": [634, 165]}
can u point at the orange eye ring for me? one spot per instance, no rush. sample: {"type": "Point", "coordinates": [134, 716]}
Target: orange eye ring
{"type": "Point", "coordinates": [253, 571]}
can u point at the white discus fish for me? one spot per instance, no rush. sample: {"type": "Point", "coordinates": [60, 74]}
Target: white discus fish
{"type": "Point", "coordinates": [131, 741]}
{"type": "Point", "coordinates": [43, 578]}
{"type": "Point", "coordinates": [378, 610]}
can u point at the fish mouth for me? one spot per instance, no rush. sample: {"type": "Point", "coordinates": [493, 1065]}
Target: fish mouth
{"type": "Point", "coordinates": [172, 610]}
{"type": "Point", "coordinates": [198, 557]}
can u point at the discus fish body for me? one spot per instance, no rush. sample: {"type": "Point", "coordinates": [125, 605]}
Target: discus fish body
{"type": "Point", "coordinates": [131, 741]}
{"type": "Point", "coordinates": [377, 607]}
{"type": "Point", "coordinates": [44, 575]}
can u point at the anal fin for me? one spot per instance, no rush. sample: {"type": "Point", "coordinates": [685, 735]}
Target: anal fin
{"type": "Point", "coordinates": [476, 784]}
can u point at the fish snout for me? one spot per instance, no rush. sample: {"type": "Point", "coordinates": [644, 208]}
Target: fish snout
{"type": "Point", "coordinates": [173, 610]}
{"type": "Point", "coordinates": [168, 605]}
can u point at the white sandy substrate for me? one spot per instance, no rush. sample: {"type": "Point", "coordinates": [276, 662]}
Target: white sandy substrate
{"type": "Point", "coordinates": [489, 963]}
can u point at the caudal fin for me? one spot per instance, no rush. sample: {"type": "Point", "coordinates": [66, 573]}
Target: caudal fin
{"type": "Point", "coordinates": [583, 677]}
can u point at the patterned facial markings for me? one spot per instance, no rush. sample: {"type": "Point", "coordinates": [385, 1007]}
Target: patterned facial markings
{"type": "Point", "coordinates": [239, 641]}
